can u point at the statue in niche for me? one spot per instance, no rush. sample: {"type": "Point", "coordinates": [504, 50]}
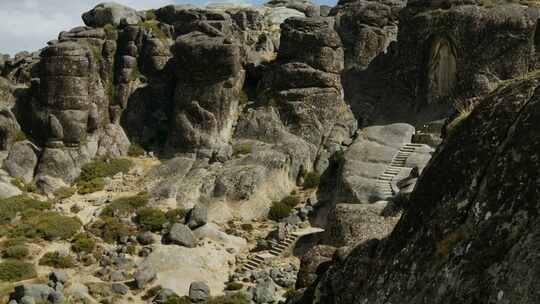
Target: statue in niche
{"type": "Point", "coordinates": [441, 70]}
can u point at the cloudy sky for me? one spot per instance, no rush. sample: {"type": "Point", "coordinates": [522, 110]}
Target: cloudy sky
{"type": "Point", "coordinates": [29, 24]}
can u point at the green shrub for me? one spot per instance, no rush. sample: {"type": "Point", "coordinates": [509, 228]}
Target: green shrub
{"type": "Point", "coordinates": [175, 299]}
{"type": "Point", "coordinates": [57, 260]}
{"type": "Point", "coordinates": [291, 201]}
{"type": "Point", "coordinates": [136, 150]}
{"type": "Point", "coordinates": [104, 168]}
{"type": "Point", "coordinates": [110, 229]}
{"type": "Point", "coordinates": [176, 215]}
{"type": "Point", "coordinates": [150, 219]}
{"type": "Point", "coordinates": [20, 136]}
{"type": "Point", "coordinates": [151, 14]}
{"type": "Point", "coordinates": [312, 180]}
{"type": "Point", "coordinates": [64, 192]}
{"type": "Point", "coordinates": [53, 225]}
{"type": "Point", "coordinates": [234, 286]}
{"type": "Point", "coordinates": [244, 99]}
{"type": "Point", "coordinates": [152, 26]}
{"type": "Point", "coordinates": [14, 271]}
{"type": "Point", "coordinates": [247, 227]}
{"type": "Point", "coordinates": [24, 187]}
{"type": "Point", "coordinates": [126, 206]}
{"type": "Point", "coordinates": [242, 149]}
{"type": "Point", "coordinates": [12, 206]}
{"type": "Point", "coordinates": [236, 298]}
{"type": "Point", "coordinates": [83, 243]}
{"type": "Point", "coordinates": [94, 185]}
{"type": "Point", "coordinates": [18, 252]}
{"type": "Point", "coordinates": [279, 211]}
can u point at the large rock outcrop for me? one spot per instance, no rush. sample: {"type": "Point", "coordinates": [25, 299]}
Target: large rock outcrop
{"type": "Point", "coordinates": [445, 51]}
{"type": "Point", "coordinates": [110, 13]}
{"type": "Point", "coordinates": [207, 94]}
{"type": "Point", "coordinates": [304, 85]}
{"type": "Point", "coordinates": [470, 233]}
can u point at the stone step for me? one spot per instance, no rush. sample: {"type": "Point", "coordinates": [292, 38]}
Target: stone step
{"type": "Point", "coordinates": [258, 258]}
{"type": "Point", "coordinates": [382, 178]}
{"type": "Point", "coordinates": [274, 253]}
{"type": "Point", "coordinates": [413, 145]}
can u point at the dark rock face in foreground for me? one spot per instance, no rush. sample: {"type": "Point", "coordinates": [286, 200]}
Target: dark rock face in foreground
{"type": "Point", "coordinates": [473, 240]}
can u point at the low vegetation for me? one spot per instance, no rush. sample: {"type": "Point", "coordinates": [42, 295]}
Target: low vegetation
{"type": "Point", "coordinates": [57, 260]}
{"type": "Point", "coordinates": [176, 215]}
{"type": "Point", "coordinates": [111, 229]}
{"type": "Point", "coordinates": [464, 108]}
{"type": "Point", "coordinates": [243, 149]}
{"type": "Point", "coordinates": [236, 298]}
{"type": "Point", "coordinates": [82, 242]}
{"type": "Point", "coordinates": [48, 225]}
{"type": "Point", "coordinates": [279, 211]}
{"type": "Point", "coordinates": [18, 252]}
{"type": "Point", "coordinates": [126, 206]}
{"type": "Point", "coordinates": [153, 27]}
{"type": "Point", "coordinates": [92, 174]}
{"type": "Point", "coordinates": [64, 192]}
{"type": "Point", "coordinates": [136, 150]}
{"type": "Point", "coordinates": [232, 286]}
{"type": "Point", "coordinates": [24, 187]}
{"type": "Point", "coordinates": [20, 205]}
{"type": "Point", "coordinates": [14, 271]}
{"type": "Point", "coordinates": [291, 201]}
{"type": "Point", "coordinates": [150, 219]}
{"type": "Point", "coordinates": [312, 180]}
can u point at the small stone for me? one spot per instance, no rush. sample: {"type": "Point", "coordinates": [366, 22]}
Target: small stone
{"type": "Point", "coordinates": [144, 276]}
{"type": "Point", "coordinates": [181, 235]}
{"type": "Point", "coordinates": [27, 300]}
{"type": "Point", "coordinates": [56, 297]}
{"type": "Point", "coordinates": [59, 276]}
{"type": "Point", "coordinates": [146, 238]}
{"type": "Point", "coordinates": [120, 288]}
{"type": "Point", "coordinates": [117, 276]}
{"type": "Point", "coordinates": [199, 291]}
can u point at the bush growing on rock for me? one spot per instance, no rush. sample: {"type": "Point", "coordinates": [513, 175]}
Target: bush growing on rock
{"type": "Point", "coordinates": [136, 150]}
{"type": "Point", "coordinates": [126, 206]}
{"type": "Point", "coordinates": [150, 219]}
{"type": "Point", "coordinates": [279, 211]}
{"type": "Point", "coordinates": [312, 180]}
{"type": "Point", "coordinates": [175, 299]}
{"type": "Point", "coordinates": [57, 260]}
{"type": "Point", "coordinates": [14, 271]}
{"type": "Point", "coordinates": [24, 187]}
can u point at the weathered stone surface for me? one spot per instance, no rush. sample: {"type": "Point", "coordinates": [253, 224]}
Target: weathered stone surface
{"type": "Point", "coordinates": [143, 276]}
{"type": "Point", "coordinates": [207, 94]}
{"type": "Point", "coordinates": [110, 13]}
{"type": "Point", "coordinates": [351, 224]}
{"type": "Point", "coordinates": [469, 233]}
{"type": "Point", "coordinates": [181, 235]}
{"type": "Point", "coordinates": [366, 28]}
{"type": "Point", "coordinates": [313, 264]}
{"type": "Point", "coordinates": [199, 291]}
{"type": "Point", "coordinates": [9, 127]}
{"type": "Point", "coordinates": [22, 160]}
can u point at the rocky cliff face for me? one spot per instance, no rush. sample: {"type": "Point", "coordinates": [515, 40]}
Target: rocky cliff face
{"type": "Point", "coordinates": [253, 130]}
{"type": "Point", "coordinates": [471, 241]}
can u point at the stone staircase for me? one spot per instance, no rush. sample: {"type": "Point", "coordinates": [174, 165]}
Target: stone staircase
{"type": "Point", "coordinates": [385, 180]}
{"type": "Point", "coordinates": [276, 249]}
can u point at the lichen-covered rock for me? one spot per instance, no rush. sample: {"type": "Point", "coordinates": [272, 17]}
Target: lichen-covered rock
{"type": "Point", "coordinates": [304, 85]}
{"type": "Point", "coordinates": [366, 28]}
{"type": "Point", "coordinates": [313, 264]}
{"type": "Point", "coordinates": [469, 232]}
{"type": "Point", "coordinates": [110, 13]}
{"type": "Point", "coordinates": [22, 160]}
{"type": "Point", "coordinates": [207, 94]}
{"type": "Point", "coordinates": [9, 128]}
